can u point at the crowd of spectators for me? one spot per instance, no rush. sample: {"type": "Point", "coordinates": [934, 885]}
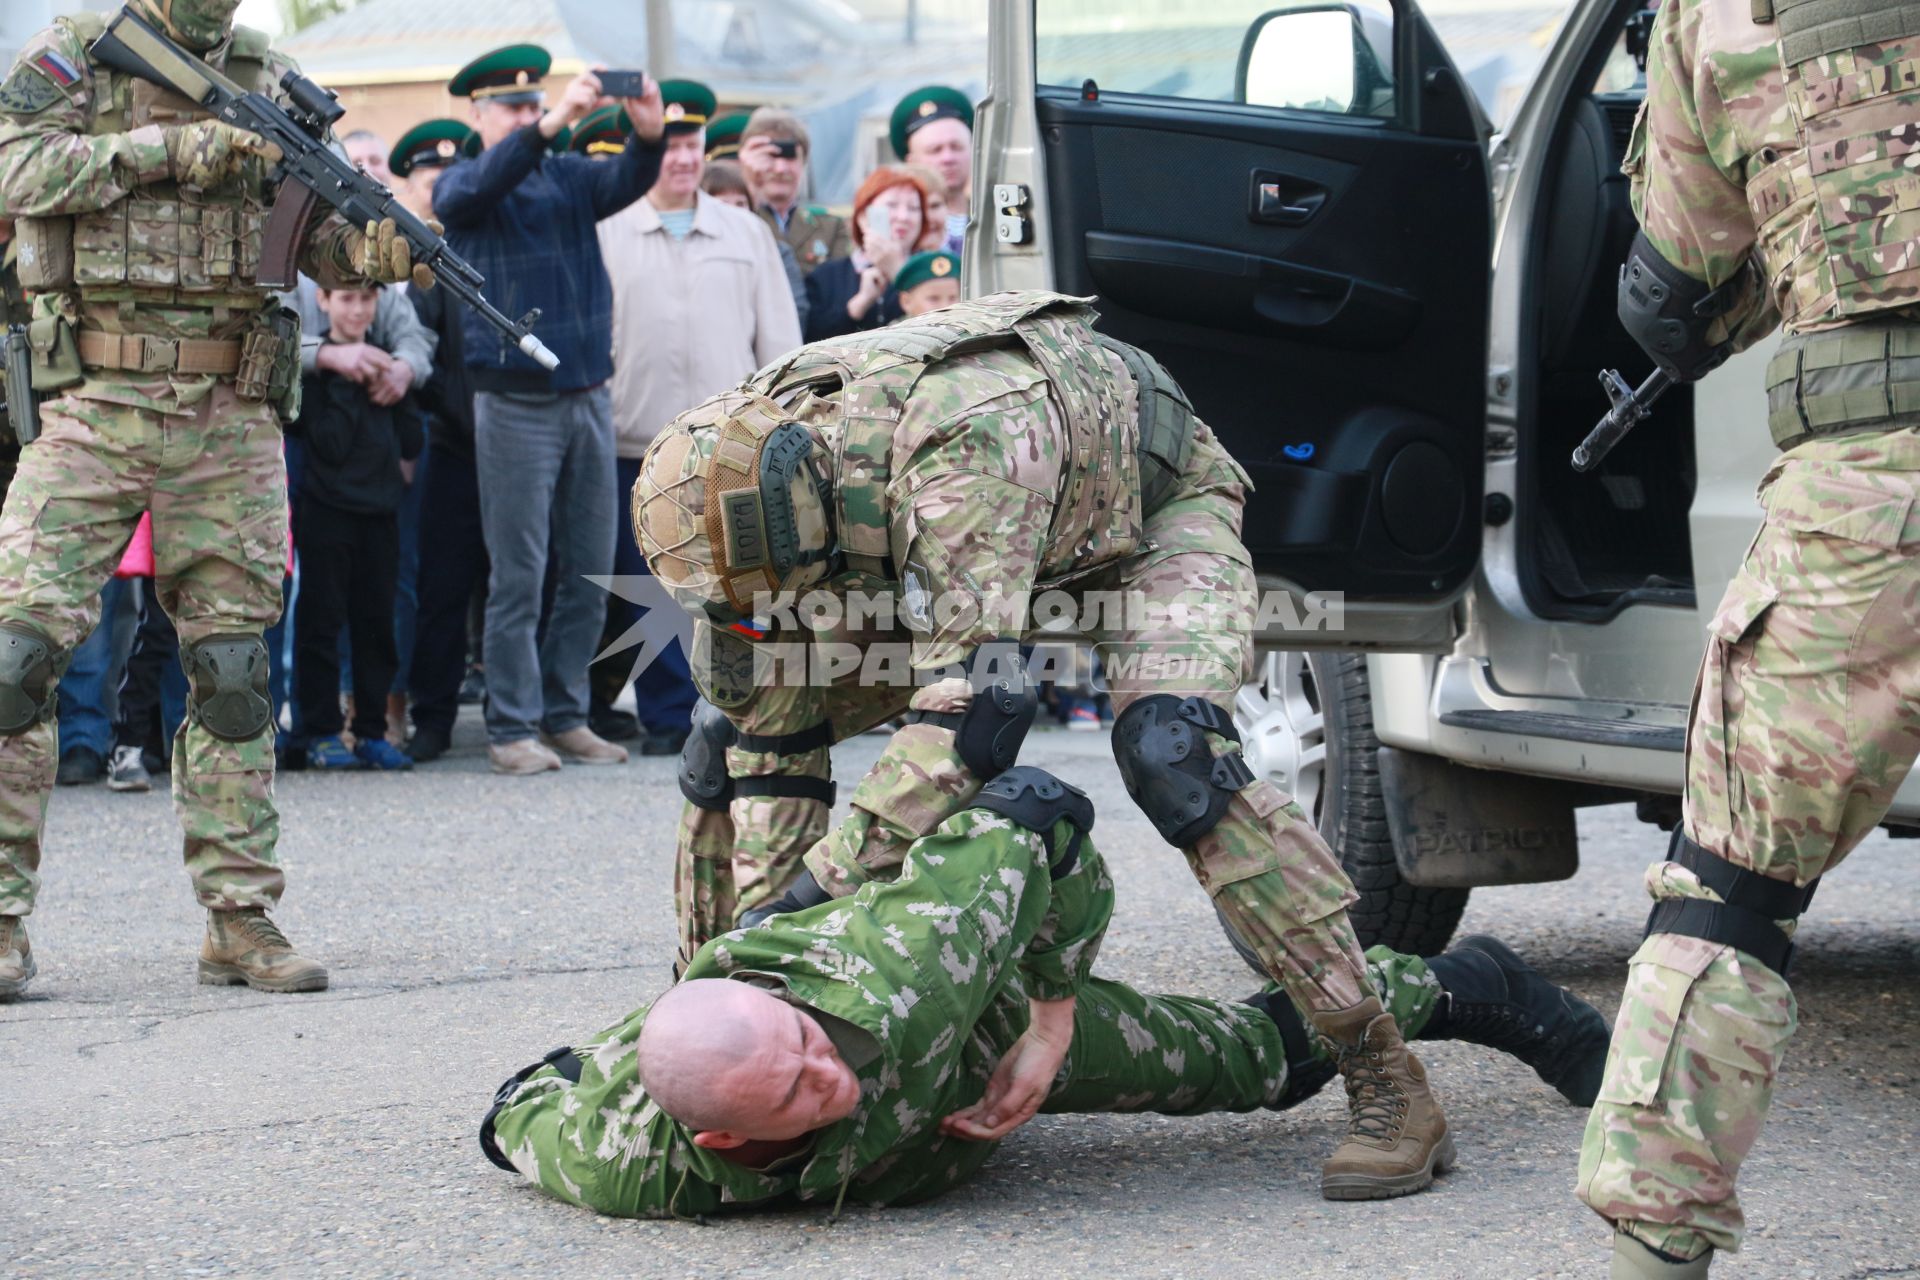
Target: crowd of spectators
{"type": "Point", "coordinates": [456, 509]}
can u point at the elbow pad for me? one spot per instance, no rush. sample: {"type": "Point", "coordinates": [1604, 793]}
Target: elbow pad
{"type": "Point", "coordinates": [1670, 314]}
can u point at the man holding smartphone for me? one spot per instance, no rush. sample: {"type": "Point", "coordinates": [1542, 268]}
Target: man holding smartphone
{"type": "Point", "coordinates": [773, 155]}
{"type": "Point", "coordinates": [543, 441]}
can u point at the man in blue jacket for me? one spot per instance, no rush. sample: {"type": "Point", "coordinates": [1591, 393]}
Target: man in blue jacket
{"type": "Point", "coordinates": [543, 441]}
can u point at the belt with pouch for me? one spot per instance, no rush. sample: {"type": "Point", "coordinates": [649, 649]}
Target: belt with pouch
{"type": "Point", "coordinates": [144, 353]}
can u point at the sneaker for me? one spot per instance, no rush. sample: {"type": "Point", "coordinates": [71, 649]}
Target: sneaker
{"type": "Point", "coordinates": [581, 745]}
{"type": "Point", "coordinates": [128, 772]}
{"type": "Point", "coordinates": [80, 767]}
{"type": "Point", "coordinates": [520, 757]}
{"type": "Point", "coordinates": [378, 753]}
{"type": "Point", "coordinates": [331, 753]}
{"type": "Point", "coordinates": [1083, 719]}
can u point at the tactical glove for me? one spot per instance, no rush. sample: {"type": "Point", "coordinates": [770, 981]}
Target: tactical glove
{"type": "Point", "coordinates": [207, 152]}
{"type": "Point", "coordinates": [382, 253]}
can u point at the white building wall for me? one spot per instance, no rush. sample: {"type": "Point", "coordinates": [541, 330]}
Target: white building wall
{"type": "Point", "coordinates": [19, 19]}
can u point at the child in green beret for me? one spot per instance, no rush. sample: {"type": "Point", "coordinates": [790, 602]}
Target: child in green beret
{"type": "Point", "coordinates": [928, 281]}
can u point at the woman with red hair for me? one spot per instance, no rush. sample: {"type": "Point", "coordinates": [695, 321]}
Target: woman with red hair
{"type": "Point", "coordinates": [853, 293]}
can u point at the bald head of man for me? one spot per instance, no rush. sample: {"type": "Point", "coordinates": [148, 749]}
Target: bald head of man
{"type": "Point", "coordinates": [736, 1064]}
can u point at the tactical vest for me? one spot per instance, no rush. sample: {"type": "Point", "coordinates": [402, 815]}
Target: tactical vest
{"type": "Point", "coordinates": [161, 243]}
{"type": "Point", "coordinates": [1839, 218]}
{"type": "Point", "coordinates": [1099, 511]}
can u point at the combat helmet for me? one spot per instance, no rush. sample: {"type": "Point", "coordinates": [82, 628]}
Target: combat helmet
{"type": "Point", "coordinates": [198, 24]}
{"type": "Point", "coordinates": [733, 502]}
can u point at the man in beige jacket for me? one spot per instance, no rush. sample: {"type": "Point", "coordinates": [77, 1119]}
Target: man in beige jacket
{"type": "Point", "coordinates": [700, 300]}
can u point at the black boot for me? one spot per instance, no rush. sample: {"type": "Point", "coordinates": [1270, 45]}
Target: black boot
{"type": "Point", "coordinates": [1307, 1073]}
{"type": "Point", "coordinates": [1493, 997]}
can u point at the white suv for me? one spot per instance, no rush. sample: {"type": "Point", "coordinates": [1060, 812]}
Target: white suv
{"type": "Point", "coordinates": [1394, 317]}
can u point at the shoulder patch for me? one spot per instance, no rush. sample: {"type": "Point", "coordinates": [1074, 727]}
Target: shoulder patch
{"type": "Point", "coordinates": [30, 90]}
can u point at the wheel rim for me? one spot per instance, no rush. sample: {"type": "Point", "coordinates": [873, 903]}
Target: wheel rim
{"type": "Point", "coordinates": [1282, 728]}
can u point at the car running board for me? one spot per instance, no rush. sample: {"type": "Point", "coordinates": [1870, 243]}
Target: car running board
{"type": "Point", "coordinates": [1548, 724]}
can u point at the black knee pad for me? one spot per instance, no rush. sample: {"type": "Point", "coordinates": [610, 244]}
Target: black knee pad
{"type": "Point", "coordinates": [988, 734]}
{"type": "Point", "coordinates": [227, 686]}
{"type": "Point", "coordinates": [29, 678]}
{"type": "Point", "coordinates": [1170, 771]}
{"type": "Point", "coordinates": [703, 761]}
{"type": "Point", "coordinates": [1036, 800]}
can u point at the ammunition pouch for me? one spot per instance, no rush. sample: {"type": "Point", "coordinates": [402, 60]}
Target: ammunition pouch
{"type": "Point", "coordinates": [227, 677]}
{"type": "Point", "coordinates": [1747, 915]}
{"type": "Point", "coordinates": [1670, 314]}
{"type": "Point", "coordinates": [56, 354]}
{"type": "Point", "coordinates": [270, 364]}
{"type": "Point", "coordinates": [30, 671]}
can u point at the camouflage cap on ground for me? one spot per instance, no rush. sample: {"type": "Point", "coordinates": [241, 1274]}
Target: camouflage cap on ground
{"type": "Point", "coordinates": [921, 108]}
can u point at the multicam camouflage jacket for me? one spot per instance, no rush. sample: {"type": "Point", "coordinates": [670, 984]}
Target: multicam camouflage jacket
{"type": "Point", "coordinates": [1760, 143]}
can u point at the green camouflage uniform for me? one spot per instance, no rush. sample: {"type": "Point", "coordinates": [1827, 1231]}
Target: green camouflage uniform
{"type": "Point", "coordinates": [1807, 711]}
{"type": "Point", "coordinates": [1009, 470]}
{"type": "Point", "coordinates": [84, 161]}
{"type": "Point", "coordinates": [922, 983]}
{"type": "Point", "coordinates": [814, 235]}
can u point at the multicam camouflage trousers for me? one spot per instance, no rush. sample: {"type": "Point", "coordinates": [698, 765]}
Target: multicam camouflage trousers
{"type": "Point", "coordinates": [1806, 718]}
{"type": "Point", "coordinates": [1274, 878]}
{"type": "Point", "coordinates": [215, 481]}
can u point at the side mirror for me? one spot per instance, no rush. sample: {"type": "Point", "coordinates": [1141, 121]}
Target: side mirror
{"type": "Point", "coordinates": [1314, 57]}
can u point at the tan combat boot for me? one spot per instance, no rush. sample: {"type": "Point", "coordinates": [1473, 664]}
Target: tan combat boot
{"type": "Point", "coordinates": [1397, 1139]}
{"type": "Point", "coordinates": [247, 947]}
{"type": "Point", "coordinates": [1633, 1260]}
{"type": "Point", "coordinates": [16, 958]}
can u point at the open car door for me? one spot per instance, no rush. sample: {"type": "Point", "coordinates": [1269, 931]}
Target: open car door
{"type": "Point", "coordinates": [1288, 205]}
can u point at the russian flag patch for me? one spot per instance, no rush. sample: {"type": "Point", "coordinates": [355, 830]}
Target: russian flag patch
{"type": "Point", "coordinates": [57, 68]}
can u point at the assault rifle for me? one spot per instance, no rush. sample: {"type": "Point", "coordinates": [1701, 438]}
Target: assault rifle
{"type": "Point", "coordinates": [310, 173]}
{"type": "Point", "coordinates": [1630, 406]}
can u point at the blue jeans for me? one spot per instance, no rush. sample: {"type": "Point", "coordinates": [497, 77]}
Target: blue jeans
{"type": "Point", "coordinates": [87, 691]}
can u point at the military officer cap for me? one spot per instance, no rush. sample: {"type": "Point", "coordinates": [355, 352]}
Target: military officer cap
{"type": "Point", "coordinates": [922, 267]}
{"type": "Point", "coordinates": [723, 135]}
{"type": "Point", "coordinates": [688, 105]}
{"type": "Point", "coordinates": [512, 74]}
{"type": "Point", "coordinates": [921, 108]}
{"type": "Point", "coordinates": [604, 133]}
{"type": "Point", "coordinates": [434, 144]}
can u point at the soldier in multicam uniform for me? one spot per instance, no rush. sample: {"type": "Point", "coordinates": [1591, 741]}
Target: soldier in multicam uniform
{"type": "Point", "coordinates": [956, 462]}
{"type": "Point", "coordinates": [1772, 172]}
{"type": "Point", "coordinates": [140, 225]}
{"type": "Point", "coordinates": [877, 1047]}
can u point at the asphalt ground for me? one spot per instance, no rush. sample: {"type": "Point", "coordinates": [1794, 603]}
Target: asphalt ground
{"type": "Point", "coordinates": [152, 1126]}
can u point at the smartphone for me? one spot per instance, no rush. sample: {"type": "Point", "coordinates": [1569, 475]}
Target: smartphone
{"type": "Point", "coordinates": [786, 148]}
{"type": "Point", "coordinates": [623, 84]}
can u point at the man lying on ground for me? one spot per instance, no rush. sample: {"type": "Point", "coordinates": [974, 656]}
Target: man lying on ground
{"type": "Point", "coordinates": [877, 1047]}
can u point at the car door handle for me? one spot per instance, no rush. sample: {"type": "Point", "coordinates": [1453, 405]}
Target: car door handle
{"type": "Point", "coordinates": [1278, 201]}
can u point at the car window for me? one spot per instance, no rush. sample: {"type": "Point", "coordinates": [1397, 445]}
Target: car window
{"type": "Point", "coordinates": [1498, 45]}
{"type": "Point", "coordinates": [1310, 55]}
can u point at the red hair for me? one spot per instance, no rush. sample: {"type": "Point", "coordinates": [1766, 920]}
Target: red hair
{"type": "Point", "coordinates": [878, 183]}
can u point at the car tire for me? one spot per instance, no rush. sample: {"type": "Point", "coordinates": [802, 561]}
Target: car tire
{"type": "Point", "coordinates": [1306, 722]}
